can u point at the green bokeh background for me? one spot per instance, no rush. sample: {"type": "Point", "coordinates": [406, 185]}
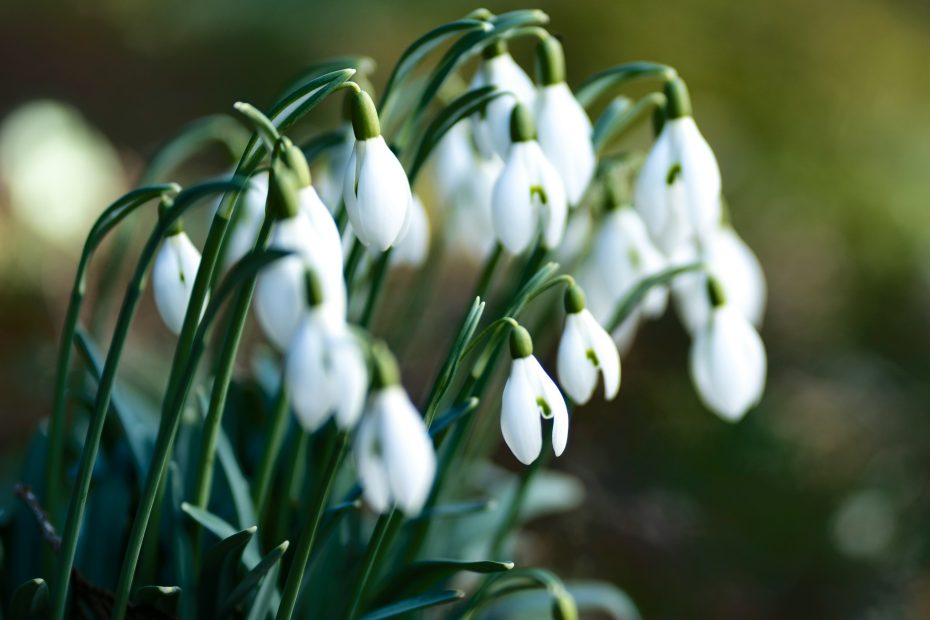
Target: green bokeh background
{"type": "Point", "coordinates": [817, 110]}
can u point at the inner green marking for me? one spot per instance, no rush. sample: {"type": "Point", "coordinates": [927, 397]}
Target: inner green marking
{"type": "Point", "coordinates": [673, 173]}
{"type": "Point", "coordinates": [537, 190]}
{"type": "Point", "coordinates": [544, 407]}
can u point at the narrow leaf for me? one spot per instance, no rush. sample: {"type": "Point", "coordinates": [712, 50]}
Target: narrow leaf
{"type": "Point", "coordinates": [30, 600]}
{"type": "Point", "coordinates": [452, 415]}
{"type": "Point", "coordinates": [463, 509]}
{"type": "Point", "coordinates": [634, 297]}
{"type": "Point", "coordinates": [423, 601]}
{"type": "Point", "coordinates": [252, 578]}
{"type": "Point", "coordinates": [165, 599]}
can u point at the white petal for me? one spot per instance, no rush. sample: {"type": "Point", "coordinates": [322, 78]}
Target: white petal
{"type": "Point", "coordinates": [248, 219]}
{"type": "Point", "coordinates": [520, 423]}
{"type": "Point", "coordinates": [280, 295]}
{"type": "Point", "coordinates": [728, 364]}
{"type": "Point", "coordinates": [577, 372]}
{"type": "Point", "coordinates": [308, 381]}
{"type": "Point", "coordinates": [606, 352]}
{"type": "Point", "coordinates": [376, 193]}
{"type": "Point", "coordinates": [329, 177]}
{"type": "Point", "coordinates": [470, 226]}
{"type": "Point", "coordinates": [554, 212]}
{"type": "Point", "coordinates": [408, 450]}
{"type": "Point", "coordinates": [700, 176]}
{"type": "Point", "coordinates": [545, 388]}
{"type": "Point", "coordinates": [412, 246]}
{"type": "Point", "coordinates": [493, 133]}
{"type": "Point", "coordinates": [565, 137]}
{"type": "Point", "coordinates": [371, 470]}
{"type": "Point", "coordinates": [514, 216]}
{"type": "Point", "coordinates": [740, 273]}
{"type": "Point", "coordinates": [651, 190]}
{"type": "Point", "coordinates": [173, 277]}
{"type": "Point", "coordinates": [350, 381]}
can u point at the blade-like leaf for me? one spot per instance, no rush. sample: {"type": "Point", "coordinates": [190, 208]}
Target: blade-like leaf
{"type": "Point", "coordinates": [613, 77]}
{"type": "Point", "coordinates": [213, 523]}
{"type": "Point", "coordinates": [419, 576]}
{"type": "Point", "coordinates": [423, 601]}
{"type": "Point", "coordinates": [617, 118]}
{"type": "Point", "coordinates": [165, 599]}
{"type": "Point", "coordinates": [251, 579]}
{"type": "Point", "coordinates": [244, 270]}
{"type": "Point", "coordinates": [452, 415]}
{"type": "Point", "coordinates": [30, 600]}
{"type": "Point", "coordinates": [632, 299]}
{"type": "Point", "coordinates": [457, 510]}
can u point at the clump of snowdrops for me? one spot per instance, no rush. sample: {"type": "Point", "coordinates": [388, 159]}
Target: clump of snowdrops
{"type": "Point", "coordinates": [314, 484]}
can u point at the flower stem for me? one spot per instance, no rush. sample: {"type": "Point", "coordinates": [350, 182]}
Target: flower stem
{"type": "Point", "coordinates": [380, 539]}
{"type": "Point", "coordinates": [279, 418]}
{"type": "Point", "coordinates": [304, 548]}
{"type": "Point", "coordinates": [374, 292]}
{"type": "Point", "coordinates": [519, 496]}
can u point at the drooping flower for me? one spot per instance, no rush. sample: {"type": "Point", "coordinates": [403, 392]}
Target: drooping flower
{"type": "Point", "coordinates": [529, 396]}
{"type": "Point", "coordinates": [739, 272]}
{"type": "Point", "coordinates": [728, 362]}
{"type": "Point", "coordinates": [492, 125]}
{"type": "Point", "coordinates": [564, 128]}
{"type": "Point", "coordinates": [330, 178]}
{"type": "Point", "coordinates": [248, 219]}
{"type": "Point", "coordinates": [394, 453]}
{"type": "Point", "coordinates": [529, 198]}
{"type": "Point", "coordinates": [173, 278]}
{"type": "Point", "coordinates": [325, 367]}
{"type": "Point", "coordinates": [307, 229]}
{"type": "Point", "coordinates": [412, 246]}
{"type": "Point", "coordinates": [678, 188]}
{"type": "Point", "coordinates": [585, 351]}
{"type": "Point", "coordinates": [375, 190]}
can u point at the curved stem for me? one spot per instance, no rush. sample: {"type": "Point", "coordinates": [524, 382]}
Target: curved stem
{"type": "Point", "coordinates": [600, 83]}
{"type": "Point", "coordinates": [304, 548]}
{"type": "Point", "coordinates": [611, 128]}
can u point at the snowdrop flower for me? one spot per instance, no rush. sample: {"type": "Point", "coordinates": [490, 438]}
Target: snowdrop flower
{"type": "Point", "coordinates": [530, 395]}
{"type": "Point", "coordinates": [678, 188]}
{"type": "Point", "coordinates": [470, 226]}
{"type": "Point", "coordinates": [602, 305]}
{"type": "Point", "coordinates": [564, 128]}
{"type": "Point", "coordinates": [529, 197]}
{"type": "Point", "coordinates": [330, 178]}
{"type": "Point", "coordinates": [734, 265]}
{"type": "Point", "coordinates": [307, 229]}
{"type": "Point", "coordinates": [451, 162]}
{"type": "Point", "coordinates": [173, 277]}
{"type": "Point", "coordinates": [394, 453]}
{"type": "Point", "coordinates": [585, 351]}
{"type": "Point", "coordinates": [249, 217]}
{"type": "Point", "coordinates": [325, 367]}
{"type": "Point", "coordinates": [491, 126]}
{"type": "Point", "coordinates": [728, 361]}
{"type": "Point", "coordinates": [375, 190]}
{"type": "Point", "coordinates": [412, 245]}
{"type": "Point", "coordinates": [625, 256]}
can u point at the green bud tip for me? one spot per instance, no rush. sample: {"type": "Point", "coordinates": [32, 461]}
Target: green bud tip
{"type": "Point", "coordinates": [679, 101]}
{"type": "Point", "coordinates": [282, 191]}
{"type": "Point", "coordinates": [386, 373]}
{"type": "Point", "coordinates": [294, 159]}
{"type": "Point", "coordinates": [314, 288]}
{"type": "Point", "coordinates": [482, 13]}
{"type": "Point", "coordinates": [658, 119]}
{"type": "Point", "coordinates": [522, 126]}
{"type": "Point", "coordinates": [177, 226]}
{"type": "Point", "coordinates": [364, 114]}
{"type": "Point", "coordinates": [550, 58]}
{"type": "Point", "coordinates": [574, 299]}
{"type": "Point", "coordinates": [521, 344]}
{"type": "Point", "coordinates": [615, 191]}
{"type": "Point", "coordinates": [715, 292]}
{"type": "Point", "coordinates": [495, 49]}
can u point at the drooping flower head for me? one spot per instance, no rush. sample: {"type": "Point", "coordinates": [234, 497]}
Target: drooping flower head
{"type": "Point", "coordinates": [375, 190]}
{"type": "Point", "coordinates": [173, 276]}
{"type": "Point", "coordinates": [586, 350]}
{"type": "Point", "coordinates": [412, 246]}
{"type": "Point", "coordinates": [529, 198]}
{"type": "Point", "coordinates": [394, 453]}
{"type": "Point", "coordinates": [564, 128]}
{"type": "Point", "coordinates": [492, 124]}
{"type": "Point", "coordinates": [529, 396]}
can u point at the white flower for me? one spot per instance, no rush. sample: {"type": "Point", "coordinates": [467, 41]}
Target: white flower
{"type": "Point", "coordinates": [492, 125]}
{"type": "Point", "coordinates": [602, 304]}
{"type": "Point", "coordinates": [280, 296]}
{"type": "Point", "coordinates": [394, 453]}
{"type": "Point", "coordinates": [412, 246]}
{"type": "Point", "coordinates": [469, 226]}
{"type": "Point", "coordinates": [330, 176]}
{"type": "Point", "coordinates": [376, 193]}
{"type": "Point", "coordinates": [173, 279]}
{"type": "Point", "coordinates": [678, 189]}
{"type": "Point", "coordinates": [326, 372]}
{"type": "Point", "coordinates": [565, 138]}
{"type": "Point", "coordinates": [248, 219]}
{"type": "Point", "coordinates": [585, 351]}
{"type": "Point", "coordinates": [530, 395]}
{"type": "Point", "coordinates": [728, 363]}
{"type": "Point", "coordinates": [451, 162]}
{"type": "Point", "coordinates": [730, 260]}
{"type": "Point", "coordinates": [625, 256]}
{"type": "Point", "coordinates": [529, 197]}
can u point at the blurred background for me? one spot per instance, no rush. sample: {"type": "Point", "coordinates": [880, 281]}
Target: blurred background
{"type": "Point", "coordinates": [816, 505]}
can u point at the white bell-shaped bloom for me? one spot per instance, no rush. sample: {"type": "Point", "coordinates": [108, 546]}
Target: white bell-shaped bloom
{"type": "Point", "coordinates": [248, 219]}
{"type": "Point", "coordinates": [376, 193]}
{"type": "Point", "coordinates": [326, 372]}
{"type": "Point", "coordinates": [280, 295]}
{"type": "Point", "coordinates": [394, 453]}
{"type": "Point", "coordinates": [602, 304]}
{"type": "Point", "coordinates": [565, 137]}
{"type": "Point", "coordinates": [727, 257]}
{"type": "Point", "coordinates": [529, 198]}
{"type": "Point", "coordinates": [678, 187]}
{"type": "Point", "coordinates": [329, 176]}
{"type": "Point", "coordinates": [529, 396]}
{"type": "Point", "coordinates": [625, 256]}
{"type": "Point", "coordinates": [451, 162]}
{"type": "Point", "coordinates": [492, 125]}
{"type": "Point", "coordinates": [585, 351]}
{"type": "Point", "coordinates": [470, 228]}
{"type": "Point", "coordinates": [412, 245]}
{"type": "Point", "coordinates": [173, 278]}
{"type": "Point", "coordinates": [728, 363]}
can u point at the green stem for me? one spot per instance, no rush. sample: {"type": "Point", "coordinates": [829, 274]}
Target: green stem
{"type": "Point", "coordinates": [279, 417]}
{"type": "Point", "coordinates": [613, 77]}
{"type": "Point", "coordinates": [374, 292]}
{"type": "Point", "coordinates": [304, 548]}
{"type": "Point", "coordinates": [519, 496]}
{"type": "Point", "coordinates": [380, 537]}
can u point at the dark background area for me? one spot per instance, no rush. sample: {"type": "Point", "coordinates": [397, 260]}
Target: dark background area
{"type": "Point", "coordinates": [816, 505]}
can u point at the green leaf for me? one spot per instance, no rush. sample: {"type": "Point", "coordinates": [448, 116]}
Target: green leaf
{"type": "Point", "coordinates": [359, 63]}
{"type": "Point", "coordinates": [244, 270]}
{"type": "Point", "coordinates": [601, 82]}
{"type": "Point", "coordinates": [123, 206]}
{"type": "Point", "coordinates": [463, 509]}
{"type": "Point", "coordinates": [229, 548]}
{"type": "Point", "coordinates": [238, 484]}
{"type": "Point", "coordinates": [213, 523]}
{"type": "Point", "coordinates": [221, 569]}
{"type": "Point", "coordinates": [321, 143]}
{"type": "Point", "coordinates": [30, 600]}
{"type": "Point", "coordinates": [423, 601]}
{"type": "Point", "coordinates": [165, 599]}
{"type": "Point", "coordinates": [267, 598]}
{"type": "Point", "coordinates": [634, 297]}
{"type": "Point", "coordinates": [618, 117]}
{"type": "Point", "coordinates": [252, 578]}
{"type": "Point", "coordinates": [421, 575]}
{"type": "Point", "coordinates": [193, 137]}
{"type": "Point", "coordinates": [453, 415]}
